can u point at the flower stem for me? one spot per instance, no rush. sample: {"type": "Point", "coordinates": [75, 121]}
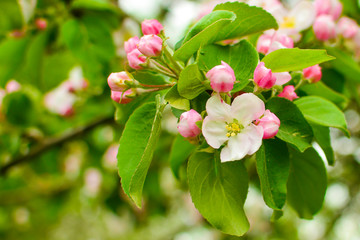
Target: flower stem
{"type": "Point", "coordinates": [161, 69]}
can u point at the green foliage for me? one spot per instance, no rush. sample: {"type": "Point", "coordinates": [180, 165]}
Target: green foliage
{"type": "Point", "coordinates": [191, 83]}
{"type": "Point", "coordinates": [307, 182]}
{"type": "Point", "coordinates": [205, 34]}
{"type": "Point", "coordinates": [219, 192]}
{"type": "Point", "coordinates": [242, 57]}
{"type": "Point", "coordinates": [294, 128]}
{"type": "Point", "coordinates": [272, 164]}
{"type": "Point", "coordinates": [294, 59]}
{"type": "Point", "coordinates": [10, 16]}
{"type": "Point", "coordinates": [249, 20]}
{"type": "Point", "coordinates": [322, 137]}
{"type": "Point", "coordinates": [149, 78]}
{"type": "Point", "coordinates": [180, 151]}
{"type": "Point", "coordinates": [322, 112]}
{"type": "Point", "coordinates": [177, 101]}
{"type": "Point", "coordinates": [137, 148]}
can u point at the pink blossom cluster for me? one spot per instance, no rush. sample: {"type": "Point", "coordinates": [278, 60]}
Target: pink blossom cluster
{"type": "Point", "coordinates": [61, 100]}
{"type": "Point", "coordinates": [149, 45]}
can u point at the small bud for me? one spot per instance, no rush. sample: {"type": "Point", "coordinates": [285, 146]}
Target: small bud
{"type": "Point", "coordinates": [289, 93]}
{"type": "Point", "coordinates": [41, 23]}
{"type": "Point", "coordinates": [131, 44]}
{"type": "Point", "coordinates": [263, 43]}
{"type": "Point", "coordinates": [336, 9]}
{"type": "Point", "coordinates": [12, 86]}
{"type": "Point", "coordinates": [152, 26]}
{"type": "Point", "coordinates": [221, 77]}
{"type": "Point", "coordinates": [122, 97]}
{"type": "Point", "coordinates": [187, 125]}
{"type": "Point", "coordinates": [17, 34]}
{"type": "Point", "coordinates": [324, 28]}
{"type": "Point", "coordinates": [347, 27]}
{"type": "Point", "coordinates": [135, 59]}
{"type": "Point", "coordinates": [150, 45]}
{"type": "Point", "coordinates": [313, 73]}
{"type": "Point", "coordinates": [270, 123]}
{"type": "Point", "coordinates": [285, 40]}
{"type": "Point", "coordinates": [328, 7]}
{"type": "Point", "coordinates": [263, 76]}
{"type": "Point", "coordinates": [117, 81]}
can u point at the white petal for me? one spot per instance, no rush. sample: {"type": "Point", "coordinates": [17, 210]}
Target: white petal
{"type": "Point", "coordinates": [255, 135]}
{"type": "Point", "coordinates": [247, 107]}
{"type": "Point", "coordinates": [217, 109]}
{"type": "Point", "coordinates": [245, 143]}
{"type": "Point", "coordinates": [282, 78]}
{"type": "Point", "coordinates": [214, 132]}
{"type": "Point", "coordinates": [304, 14]}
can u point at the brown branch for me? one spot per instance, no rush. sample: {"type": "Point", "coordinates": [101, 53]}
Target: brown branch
{"type": "Point", "coordinates": [49, 143]}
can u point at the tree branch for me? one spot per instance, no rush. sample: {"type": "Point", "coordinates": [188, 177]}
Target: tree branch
{"type": "Point", "coordinates": [49, 143]}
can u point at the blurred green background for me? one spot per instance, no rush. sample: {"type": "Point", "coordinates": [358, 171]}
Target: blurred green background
{"type": "Point", "coordinates": [58, 150]}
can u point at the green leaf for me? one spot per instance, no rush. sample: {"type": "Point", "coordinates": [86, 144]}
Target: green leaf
{"type": "Point", "coordinates": [180, 151]}
{"type": "Point", "coordinates": [294, 59]}
{"type": "Point", "coordinates": [249, 20]}
{"type": "Point", "coordinates": [242, 57]}
{"type": "Point", "coordinates": [322, 112]}
{"type": "Point", "coordinates": [149, 78]}
{"type": "Point", "coordinates": [322, 137]}
{"type": "Point", "coordinates": [321, 90]}
{"type": "Point", "coordinates": [137, 145]}
{"type": "Point", "coordinates": [190, 83]}
{"type": "Point", "coordinates": [345, 64]}
{"type": "Point", "coordinates": [102, 5]}
{"type": "Point", "coordinates": [19, 109]}
{"type": "Point", "coordinates": [204, 36]}
{"type": "Point", "coordinates": [272, 164]}
{"type": "Point", "coordinates": [219, 195]}
{"type": "Point", "coordinates": [177, 101]}
{"type": "Point", "coordinates": [294, 128]}
{"type": "Point", "coordinates": [10, 16]}
{"type": "Point", "coordinates": [12, 53]}
{"type": "Point", "coordinates": [307, 182]}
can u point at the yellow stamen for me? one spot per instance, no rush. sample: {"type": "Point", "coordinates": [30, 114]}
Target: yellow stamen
{"type": "Point", "coordinates": [289, 22]}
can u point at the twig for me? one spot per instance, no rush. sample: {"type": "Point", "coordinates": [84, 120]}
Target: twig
{"type": "Point", "coordinates": [49, 143]}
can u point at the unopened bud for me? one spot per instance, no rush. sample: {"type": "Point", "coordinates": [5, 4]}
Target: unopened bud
{"type": "Point", "coordinates": [131, 44]}
{"type": "Point", "coordinates": [122, 97]}
{"type": "Point", "coordinates": [347, 27]}
{"type": "Point", "coordinates": [118, 81]}
{"type": "Point", "coordinates": [313, 73]}
{"type": "Point", "coordinates": [150, 45]}
{"type": "Point", "coordinates": [324, 28]}
{"type": "Point", "coordinates": [152, 26]}
{"type": "Point", "coordinates": [270, 123]}
{"type": "Point", "coordinates": [187, 125]}
{"type": "Point", "coordinates": [221, 77]}
{"type": "Point", "coordinates": [135, 59]}
{"type": "Point", "coordinates": [263, 76]}
{"type": "Point", "coordinates": [41, 23]}
{"type": "Point", "coordinates": [289, 93]}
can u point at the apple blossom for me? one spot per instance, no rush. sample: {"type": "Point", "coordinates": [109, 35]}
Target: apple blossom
{"type": "Point", "coordinates": [136, 58]}
{"type": "Point", "coordinates": [324, 28]}
{"type": "Point", "coordinates": [222, 77]}
{"type": "Point", "coordinates": [289, 93]}
{"type": "Point", "coordinates": [122, 97]}
{"type": "Point", "coordinates": [270, 124]}
{"type": "Point", "coordinates": [117, 81]}
{"type": "Point", "coordinates": [328, 7]}
{"type": "Point", "coordinates": [263, 76]}
{"type": "Point", "coordinates": [12, 86]}
{"type": "Point", "coordinates": [187, 125]}
{"type": "Point", "coordinates": [233, 126]}
{"type": "Point", "coordinates": [150, 45]}
{"type": "Point", "coordinates": [131, 44]}
{"type": "Point", "coordinates": [313, 73]}
{"type": "Point", "coordinates": [347, 27]}
{"type": "Point", "coordinates": [272, 41]}
{"type": "Point", "coordinates": [60, 101]}
{"type": "Point", "coordinates": [151, 26]}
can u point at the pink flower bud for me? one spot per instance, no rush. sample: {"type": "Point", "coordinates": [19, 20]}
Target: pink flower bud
{"type": "Point", "coordinates": [12, 86]}
{"type": "Point", "coordinates": [336, 9]}
{"type": "Point", "coordinates": [322, 7]}
{"type": "Point", "coordinates": [263, 76]}
{"type": "Point", "coordinates": [187, 125]}
{"type": "Point", "coordinates": [41, 23]}
{"type": "Point", "coordinates": [347, 27]}
{"type": "Point", "coordinates": [289, 93]}
{"type": "Point", "coordinates": [122, 97]}
{"type": "Point", "coordinates": [135, 59]}
{"type": "Point", "coordinates": [285, 40]}
{"type": "Point", "coordinates": [263, 43]}
{"type": "Point", "coordinates": [150, 45]}
{"type": "Point", "coordinates": [270, 123]}
{"type": "Point", "coordinates": [17, 34]}
{"type": "Point", "coordinates": [324, 28]}
{"type": "Point", "coordinates": [221, 77]}
{"type": "Point", "coordinates": [152, 26]}
{"type": "Point", "coordinates": [131, 44]}
{"type": "Point", "coordinates": [313, 73]}
{"type": "Point", "coordinates": [117, 81]}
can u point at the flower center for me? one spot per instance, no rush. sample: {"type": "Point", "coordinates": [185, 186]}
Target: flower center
{"type": "Point", "coordinates": [233, 128]}
{"type": "Point", "coordinates": [289, 22]}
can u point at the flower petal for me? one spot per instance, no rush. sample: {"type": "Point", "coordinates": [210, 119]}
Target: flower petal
{"type": "Point", "coordinates": [246, 108]}
{"type": "Point", "coordinates": [217, 109]}
{"type": "Point", "coordinates": [255, 135]}
{"type": "Point", "coordinates": [214, 132]}
{"type": "Point", "coordinates": [282, 78]}
{"type": "Point", "coordinates": [304, 14]}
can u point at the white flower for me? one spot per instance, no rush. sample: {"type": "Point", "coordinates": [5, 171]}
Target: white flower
{"type": "Point", "coordinates": [233, 125]}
